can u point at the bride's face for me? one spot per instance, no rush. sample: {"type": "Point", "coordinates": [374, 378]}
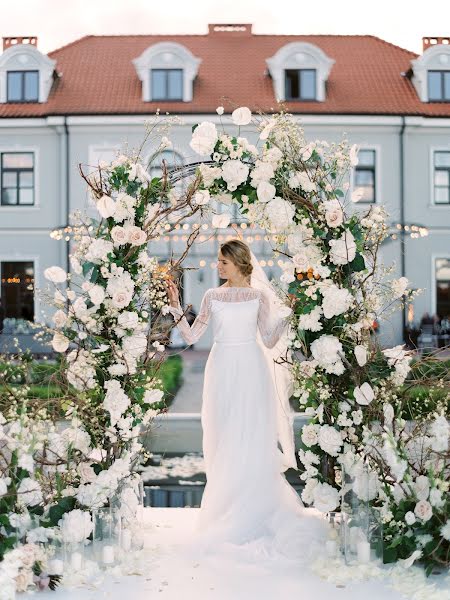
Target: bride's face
{"type": "Point", "coordinates": [227, 269]}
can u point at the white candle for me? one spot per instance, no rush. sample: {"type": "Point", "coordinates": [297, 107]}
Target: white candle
{"type": "Point", "coordinates": [75, 560]}
{"type": "Point", "coordinates": [363, 551]}
{"type": "Point", "coordinates": [355, 535]}
{"type": "Point", "coordinates": [55, 566]}
{"type": "Point", "coordinates": [108, 554]}
{"type": "Point", "coordinates": [126, 539]}
{"type": "Point", "coordinates": [331, 547]}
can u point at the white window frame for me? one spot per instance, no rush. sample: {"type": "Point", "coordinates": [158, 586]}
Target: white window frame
{"type": "Point", "coordinates": [377, 149]}
{"type": "Point", "coordinates": [167, 55]}
{"type": "Point", "coordinates": [299, 55]}
{"type": "Point", "coordinates": [26, 57]}
{"type": "Point", "coordinates": [435, 58]}
{"type": "Point", "coordinates": [24, 207]}
{"type": "Point", "coordinates": [432, 204]}
{"type": "Point", "coordinates": [434, 257]}
{"type": "Point", "coordinates": [35, 259]}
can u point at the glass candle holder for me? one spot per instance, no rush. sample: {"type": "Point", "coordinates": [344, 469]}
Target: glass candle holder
{"type": "Point", "coordinates": [106, 536]}
{"type": "Point", "coordinates": [362, 536]}
{"type": "Point", "coordinates": [74, 558]}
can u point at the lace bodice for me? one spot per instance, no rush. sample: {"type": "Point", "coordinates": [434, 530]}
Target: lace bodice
{"type": "Point", "coordinates": [229, 323]}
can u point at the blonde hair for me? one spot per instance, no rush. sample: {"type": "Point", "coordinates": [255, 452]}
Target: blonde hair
{"type": "Point", "coordinates": [239, 254]}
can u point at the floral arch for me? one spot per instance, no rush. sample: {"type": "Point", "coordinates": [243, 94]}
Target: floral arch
{"type": "Point", "coordinates": [364, 443]}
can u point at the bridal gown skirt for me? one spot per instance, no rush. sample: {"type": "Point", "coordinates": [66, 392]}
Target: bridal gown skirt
{"type": "Point", "coordinates": [248, 508]}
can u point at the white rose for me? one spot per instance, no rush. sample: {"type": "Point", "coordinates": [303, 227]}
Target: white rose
{"type": "Point", "coordinates": [436, 498]}
{"type": "Point", "coordinates": [59, 319]}
{"type": "Point", "coordinates": [106, 206]}
{"type": "Point", "coordinates": [29, 492]}
{"type": "Point", "coordinates": [121, 299]}
{"type": "Point", "coordinates": [76, 525]}
{"type": "Point", "coordinates": [241, 116]}
{"type": "Point", "coordinates": [334, 215]}
{"type": "Point", "coordinates": [343, 250]}
{"type": "Point", "coordinates": [423, 510]}
{"type": "Point", "coordinates": [410, 518]}
{"type": "Point", "coordinates": [330, 440]}
{"type": "Point", "coordinates": [221, 221]}
{"type": "Point", "coordinates": [202, 197]}
{"type": "Point", "coordinates": [136, 236]}
{"type": "Point", "coordinates": [422, 487]}
{"type": "Point", "coordinates": [220, 110]}
{"type": "Point", "coordinates": [310, 435]}
{"type": "Point", "coordinates": [364, 394]}
{"type": "Point", "coordinates": [97, 294]}
{"type": "Point", "coordinates": [60, 343]}
{"type": "Point", "coordinates": [204, 138]}
{"type": "Point", "coordinates": [119, 235]}
{"type": "Point", "coordinates": [55, 274]}
{"type": "Point", "coordinates": [265, 191]}
{"type": "Point", "coordinates": [326, 497]}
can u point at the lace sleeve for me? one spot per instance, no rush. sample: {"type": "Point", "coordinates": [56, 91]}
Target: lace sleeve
{"type": "Point", "coordinates": [192, 333]}
{"type": "Point", "coordinates": [270, 333]}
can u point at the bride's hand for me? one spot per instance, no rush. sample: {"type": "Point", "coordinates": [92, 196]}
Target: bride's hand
{"type": "Point", "coordinates": [172, 292]}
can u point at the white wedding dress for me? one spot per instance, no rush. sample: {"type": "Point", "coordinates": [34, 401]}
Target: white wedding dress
{"type": "Point", "coordinates": [248, 507]}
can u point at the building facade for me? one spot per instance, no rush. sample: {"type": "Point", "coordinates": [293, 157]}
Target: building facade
{"type": "Point", "coordinates": [91, 99]}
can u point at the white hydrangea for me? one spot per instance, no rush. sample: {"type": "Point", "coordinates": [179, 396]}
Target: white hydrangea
{"type": "Point", "coordinates": [98, 251]}
{"type": "Point", "coordinates": [311, 321]}
{"type": "Point", "coordinates": [75, 526]}
{"type": "Point", "coordinates": [116, 401]}
{"type": "Point", "coordinates": [327, 350]}
{"type": "Point", "coordinates": [336, 301]}
{"type": "Point", "coordinates": [29, 492]}
{"type": "Point", "coordinates": [262, 171]}
{"type": "Point", "coordinates": [234, 172]}
{"type": "Point", "coordinates": [343, 250]}
{"type": "Point", "coordinates": [280, 214]}
{"type": "Point", "coordinates": [325, 497]}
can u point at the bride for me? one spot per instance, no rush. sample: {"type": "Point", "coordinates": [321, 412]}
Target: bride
{"type": "Point", "coordinates": [247, 504]}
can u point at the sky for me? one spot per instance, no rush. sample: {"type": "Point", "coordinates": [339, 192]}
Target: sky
{"type": "Point", "coordinates": [59, 22]}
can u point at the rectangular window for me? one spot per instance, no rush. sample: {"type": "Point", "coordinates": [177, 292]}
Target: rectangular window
{"type": "Point", "coordinates": [442, 269]}
{"type": "Point", "coordinates": [300, 84]}
{"type": "Point", "coordinates": [17, 290]}
{"type": "Point", "coordinates": [364, 181]}
{"type": "Point", "coordinates": [17, 178]}
{"type": "Point", "coordinates": [23, 86]}
{"type": "Point", "coordinates": [442, 177]}
{"type": "Point", "coordinates": [439, 86]}
{"type": "Point", "coordinates": [167, 84]}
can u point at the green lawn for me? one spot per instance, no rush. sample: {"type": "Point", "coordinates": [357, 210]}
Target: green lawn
{"type": "Point", "coordinates": [43, 385]}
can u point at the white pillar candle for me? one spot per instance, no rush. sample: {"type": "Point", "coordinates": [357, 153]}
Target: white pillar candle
{"type": "Point", "coordinates": [55, 566]}
{"type": "Point", "coordinates": [75, 560]}
{"type": "Point", "coordinates": [363, 551]}
{"type": "Point", "coordinates": [108, 554]}
{"type": "Point", "coordinates": [331, 547]}
{"type": "Point", "coordinates": [126, 539]}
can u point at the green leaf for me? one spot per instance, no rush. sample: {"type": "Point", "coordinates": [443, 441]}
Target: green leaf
{"type": "Point", "coordinates": [87, 266]}
{"type": "Point", "coordinates": [389, 555]}
{"type": "Point", "coordinates": [194, 127]}
{"type": "Point", "coordinates": [357, 264]}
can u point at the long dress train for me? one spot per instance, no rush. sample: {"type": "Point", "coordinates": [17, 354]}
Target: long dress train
{"type": "Point", "coordinates": [248, 507]}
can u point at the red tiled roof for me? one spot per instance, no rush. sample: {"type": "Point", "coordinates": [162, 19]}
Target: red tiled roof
{"type": "Point", "coordinates": [98, 77]}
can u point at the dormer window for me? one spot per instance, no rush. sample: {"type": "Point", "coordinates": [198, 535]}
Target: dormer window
{"type": "Point", "coordinates": [22, 86]}
{"type": "Point", "coordinates": [431, 71]}
{"type": "Point", "coordinates": [300, 71]}
{"type": "Point", "coordinates": [300, 84]}
{"type": "Point", "coordinates": [167, 84]}
{"type": "Point", "coordinates": [439, 86]}
{"type": "Point", "coordinates": [167, 71]}
{"type": "Point", "coordinates": [26, 75]}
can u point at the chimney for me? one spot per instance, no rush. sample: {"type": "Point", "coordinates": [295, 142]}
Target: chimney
{"type": "Point", "coordinates": [427, 42]}
{"type": "Point", "coordinates": [13, 41]}
{"type": "Point", "coordinates": [230, 29]}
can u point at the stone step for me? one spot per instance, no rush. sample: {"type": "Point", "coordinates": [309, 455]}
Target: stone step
{"type": "Point", "coordinates": [182, 432]}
